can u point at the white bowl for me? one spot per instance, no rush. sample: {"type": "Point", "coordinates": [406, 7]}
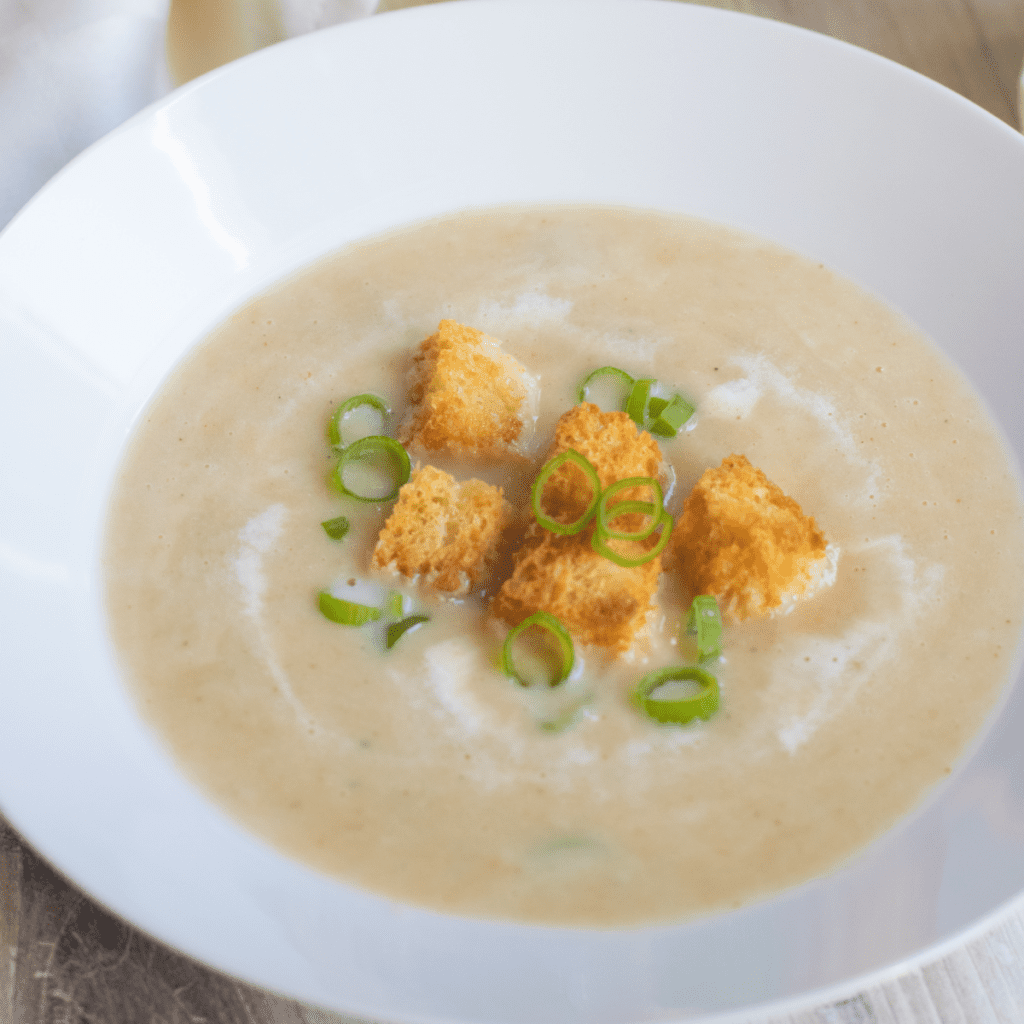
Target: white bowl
{"type": "Point", "coordinates": [155, 234]}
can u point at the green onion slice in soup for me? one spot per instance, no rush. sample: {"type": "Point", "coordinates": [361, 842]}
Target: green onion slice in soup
{"type": "Point", "coordinates": [336, 528]}
{"type": "Point", "coordinates": [537, 493]}
{"type": "Point", "coordinates": [371, 449]}
{"type": "Point", "coordinates": [599, 540]}
{"type": "Point", "coordinates": [677, 710]}
{"type": "Point", "coordinates": [334, 425]}
{"type": "Point", "coordinates": [346, 613]}
{"type": "Point", "coordinates": [563, 643]}
{"type": "Point", "coordinates": [652, 509]}
{"type": "Point", "coordinates": [614, 372]}
{"type": "Point", "coordinates": [704, 620]}
{"type": "Point", "coordinates": [398, 629]}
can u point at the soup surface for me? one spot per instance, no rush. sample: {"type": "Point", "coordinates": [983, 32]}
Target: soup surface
{"type": "Point", "coordinates": [421, 772]}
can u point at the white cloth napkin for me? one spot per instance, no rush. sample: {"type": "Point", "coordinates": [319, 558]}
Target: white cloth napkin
{"type": "Point", "coordinates": [72, 70]}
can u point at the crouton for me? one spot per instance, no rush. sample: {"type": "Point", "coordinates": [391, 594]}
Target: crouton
{"type": "Point", "coordinates": [468, 396]}
{"type": "Point", "coordinates": [611, 443]}
{"type": "Point", "coordinates": [443, 532]}
{"type": "Point", "coordinates": [743, 541]}
{"type": "Point", "coordinates": [598, 601]}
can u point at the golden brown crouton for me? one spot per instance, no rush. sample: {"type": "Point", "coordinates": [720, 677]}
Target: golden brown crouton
{"type": "Point", "coordinates": [598, 601]}
{"type": "Point", "coordinates": [468, 396]}
{"type": "Point", "coordinates": [442, 531]}
{"type": "Point", "coordinates": [612, 444]}
{"type": "Point", "coordinates": [748, 544]}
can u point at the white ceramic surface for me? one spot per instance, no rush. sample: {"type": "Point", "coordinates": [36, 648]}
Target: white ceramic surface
{"type": "Point", "coordinates": [156, 233]}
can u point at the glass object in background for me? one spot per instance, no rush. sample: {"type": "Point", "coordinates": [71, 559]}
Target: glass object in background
{"type": "Point", "coordinates": [397, 5]}
{"type": "Point", "coordinates": [203, 34]}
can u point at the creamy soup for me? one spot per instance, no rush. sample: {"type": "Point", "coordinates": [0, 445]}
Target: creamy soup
{"type": "Point", "coordinates": [422, 773]}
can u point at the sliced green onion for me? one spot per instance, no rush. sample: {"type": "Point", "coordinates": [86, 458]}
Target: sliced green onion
{"type": "Point", "coordinates": [346, 613]}
{"type": "Point", "coordinates": [537, 493]}
{"type": "Point", "coordinates": [356, 402]}
{"type": "Point", "coordinates": [681, 710]}
{"type": "Point", "coordinates": [705, 621]}
{"type": "Point", "coordinates": [563, 721]}
{"type": "Point", "coordinates": [661, 416]}
{"type": "Point", "coordinates": [396, 605]}
{"type": "Point", "coordinates": [653, 509]}
{"type": "Point", "coordinates": [605, 371]}
{"type": "Point", "coordinates": [599, 542]}
{"type": "Point", "coordinates": [397, 629]}
{"type": "Point", "coordinates": [367, 447]}
{"type": "Point", "coordinates": [655, 406]}
{"type": "Point", "coordinates": [547, 621]}
{"type": "Point", "coordinates": [668, 418]}
{"type": "Point", "coordinates": [636, 403]}
{"type": "Point", "coordinates": [628, 508]}
{"type": "Point", "coordinates": [335, 528]}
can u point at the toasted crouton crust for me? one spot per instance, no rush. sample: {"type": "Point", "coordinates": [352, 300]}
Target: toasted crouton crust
{"type": "Point", "coordinates": [599, 602]}
{"type": "Point", "coordinates": [611, 443]}
{"type": "Point", "coordinates": [745, 542]}
{"type": "Point", "coordinates": [442, 531]}
{"type": "Point", "coordinates": [468, 396]}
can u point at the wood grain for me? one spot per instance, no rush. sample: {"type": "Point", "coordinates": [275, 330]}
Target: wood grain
{"type": "Point", "coordinates": [974, 47]}
{"type": "Point", "coordinates": [10, 917]}
{"type": "Point", "coordinates": [64, 960]}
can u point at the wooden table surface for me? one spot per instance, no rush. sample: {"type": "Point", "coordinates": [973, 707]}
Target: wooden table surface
{"type": "Point", "coordinates": [63, 960]}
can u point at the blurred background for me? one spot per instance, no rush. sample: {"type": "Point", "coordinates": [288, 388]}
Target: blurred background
{"type": "Point", "coordinates": [72, 70]}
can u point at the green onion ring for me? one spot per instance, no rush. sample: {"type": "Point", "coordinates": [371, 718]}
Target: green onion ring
{"type": "Point", "coordinates": [397, 629]}
{"type": "Point", "coordinates": [626, 508]}
{"type": "Point", "coordinates": [360, 450]}
{"type": "Point", "coordinates": [610, 371]}
{"type": "Point", "coordinates": [599, 542]}
{"type": "Point", "coordinates": [636, 403]}
{"type": "Point", "coordinates": [702, 705]}
{"type": "Point", "coordinates": [334, 425]}
{"type": "Point", "coordinates": [549, 622]}
{"type": "Point", "coordinates": [336, 528]}
{"type": "Point", "coordinates": [653, 509]}
{"type": "Point", "coordinates": [346, 613]}
{"type": "Point", "coordinates": [705, 620]}
{"type": "Point", "coordinates": [537, 493]}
